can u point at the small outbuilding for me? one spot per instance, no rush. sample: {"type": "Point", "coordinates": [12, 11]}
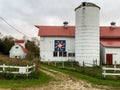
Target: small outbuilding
{"type": "Point", "coordinates": [110, 45]}
{"type": "Point", "coordinates": [18, 50]}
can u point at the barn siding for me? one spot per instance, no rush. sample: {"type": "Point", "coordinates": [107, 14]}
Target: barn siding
{"type": "Point", "coordinates": [17, 52]}
{"type": "Point", "coordinates": [102, 54]}
{"type": "Point", "coordinates": [47, 48]}
{"type": "Point", "coordinates": [115, 52]}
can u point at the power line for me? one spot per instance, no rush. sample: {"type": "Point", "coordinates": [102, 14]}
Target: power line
{"type": "Point", "coordinates": [12, 26]}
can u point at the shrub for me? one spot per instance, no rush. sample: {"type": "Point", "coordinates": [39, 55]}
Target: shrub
{"type": "Point", "coordinates": [18, 62]}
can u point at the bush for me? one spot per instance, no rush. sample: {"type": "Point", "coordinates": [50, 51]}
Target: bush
{"type": "Point", "coordinates": [18, 62]}
{"type": "Point", "coordinates": [8, 76]}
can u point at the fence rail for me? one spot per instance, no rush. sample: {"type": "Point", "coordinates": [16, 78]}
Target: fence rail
{"type": "Point", "coordinates": [17, 69]}
{"type": "Point", "coordinates": [114, 69]}
{"type": "Point", "coordinates": [94, 63]}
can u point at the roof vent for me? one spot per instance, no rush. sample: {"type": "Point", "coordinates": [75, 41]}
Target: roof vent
{"type": "Point", "coordinates": [113, 24]}
{"type": "Point", "coordinates": [65, 24]}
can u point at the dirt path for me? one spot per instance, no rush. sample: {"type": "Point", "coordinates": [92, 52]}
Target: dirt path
{"type": "Point", "coordinates": [65, 82]}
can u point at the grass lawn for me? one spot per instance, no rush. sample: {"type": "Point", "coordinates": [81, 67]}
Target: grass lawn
{"type": "Point", "coordinates": [87, 75]}
{"type": "Point", "coordinates": [43, 79]}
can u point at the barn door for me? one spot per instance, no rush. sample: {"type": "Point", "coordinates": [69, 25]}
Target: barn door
{"type": "Point", "coordinates": [109, 59]}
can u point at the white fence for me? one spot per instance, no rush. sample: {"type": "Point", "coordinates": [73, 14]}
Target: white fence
{"type": "Point", "coordinates": [90, 64]}
{"type": "Point", "coordinates": [17, 69]}
{"type": "Point", "coordinates": [114, 73]}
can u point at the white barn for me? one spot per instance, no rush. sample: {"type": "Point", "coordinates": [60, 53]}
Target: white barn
{"type": "Point", "coordinates": [18, 50]}
{"type": "Point", "coordinates": [86, 41]}
{"type": "Point", "coordinates": [57, 43]}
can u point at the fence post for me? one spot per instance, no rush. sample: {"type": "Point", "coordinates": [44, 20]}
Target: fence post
{"type": "Point", "coordinates": [104, 71]}
{"type": "Point", "coordinates": [96, 62]}
{"type": "Point", "coordinates": [48, 63]}
{"type": "Point", "coordinates": [55, 63]}
{"type": "Point", "coordinates": [27, 70]}
{"type": "Point", "coordinates": [34, 67]}
{"type": "Point", "coordinates": [63, 64]}
{"type": "Point", "coordinates": [72, 63]}
{"type": "Point", "coordinates": [83, 64]}
{"type": "Point", "coordinates": [3, 67]}
{"type": "Point", "coordinates": [93, 63]}
{"type": "Point", "coordinates": [115, 68]}
{"type": "Point", "coordinates": [115, 62]}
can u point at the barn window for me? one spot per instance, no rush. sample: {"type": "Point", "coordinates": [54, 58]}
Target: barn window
{"type": "Point", "coordinates": [64, 54]}
{"type": "Point", "coordinates": [16, 47]}
{"type": "Point", "coordinates": [55, 54]}
{"type": "Point", "coordinates": [60, 54]}
{"type": "Point", "coordinates": [71, 54]}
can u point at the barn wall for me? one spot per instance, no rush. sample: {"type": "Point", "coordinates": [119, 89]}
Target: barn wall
{"type": "Point", "coordinates": [115, 52]}
{"type": "Point", "coordinates": [17, 52]}
{"type": "Point", "coordinates": [102, 54]}
{"type": "Point", "coordinates": [47, 48]}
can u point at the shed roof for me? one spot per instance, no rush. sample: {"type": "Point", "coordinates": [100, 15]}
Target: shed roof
{"type": "Point", "coordinates": [23, 48]}
{"type": "Point", "coordinates": [109, 32]}
{"type": "Point", "coordinates": [110, 42]}
{"type": "Point", "coordinates": [19, 41]}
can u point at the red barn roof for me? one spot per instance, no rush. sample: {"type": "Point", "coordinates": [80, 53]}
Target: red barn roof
{"type": "Point", "coordinates": [23, 48]}
{"type": "Point", "coordinates": [109, 32]}
{"type": "Point", "coordinates": [19, 41]}
{"type": "Point", "coordinates": [56, 31]}
{"type": "Point", "coordinates": [105, 31]}
{"type": "Point", "coordinates": [110, 42]}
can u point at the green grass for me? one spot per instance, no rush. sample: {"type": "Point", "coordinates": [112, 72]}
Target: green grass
{"type": "Point", "coordinates": [43, 79]}
{"type": "Point", "coordinates": [94, 79]}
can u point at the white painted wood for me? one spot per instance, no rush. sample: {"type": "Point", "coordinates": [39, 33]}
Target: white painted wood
{"type": "Point", "coordinates": [102, 54]}
{"type": "Point", "coordinates": [104, 68]}
{"type": "Point", "coordinates": [47, 48]}
{"type": "Point", "coordinates": [104, 73]}
{"type": "Point", "coordinates": [114, 51]}
{"type": "Point", "coordinates": [17, 52]}
{"type": "Point", "coordinates": [22, 69]}
{"type": "Point", "coordinates": [112, 74]}
{"type": "Point", "coordinates": [87, 34]}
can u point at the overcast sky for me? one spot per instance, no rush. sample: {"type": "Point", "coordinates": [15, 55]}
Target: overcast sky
{"type": "Point", "coordinates": [24, 14]}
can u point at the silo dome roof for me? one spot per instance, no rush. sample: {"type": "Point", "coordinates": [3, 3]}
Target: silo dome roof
{"type": "Point", "coordinates": [87, 4]}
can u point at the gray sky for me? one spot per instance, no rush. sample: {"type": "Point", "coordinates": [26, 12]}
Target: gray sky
{"type": "Point", "coordinates": [24, 14]}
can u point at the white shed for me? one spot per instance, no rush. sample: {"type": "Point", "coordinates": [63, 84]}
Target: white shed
{"type": "Point", "coordinates": [18, 50]}
{"type": "Point", "coordinates": [110, 51]}
{"type": "Point", "coordinates": [110, 44]}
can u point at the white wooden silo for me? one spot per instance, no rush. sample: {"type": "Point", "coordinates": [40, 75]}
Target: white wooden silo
{"type": "Point", "coordinates": [87, 33]}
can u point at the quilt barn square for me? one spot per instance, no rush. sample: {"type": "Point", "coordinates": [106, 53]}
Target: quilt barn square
{"type": "Point", "coordinates": [60, 45]}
